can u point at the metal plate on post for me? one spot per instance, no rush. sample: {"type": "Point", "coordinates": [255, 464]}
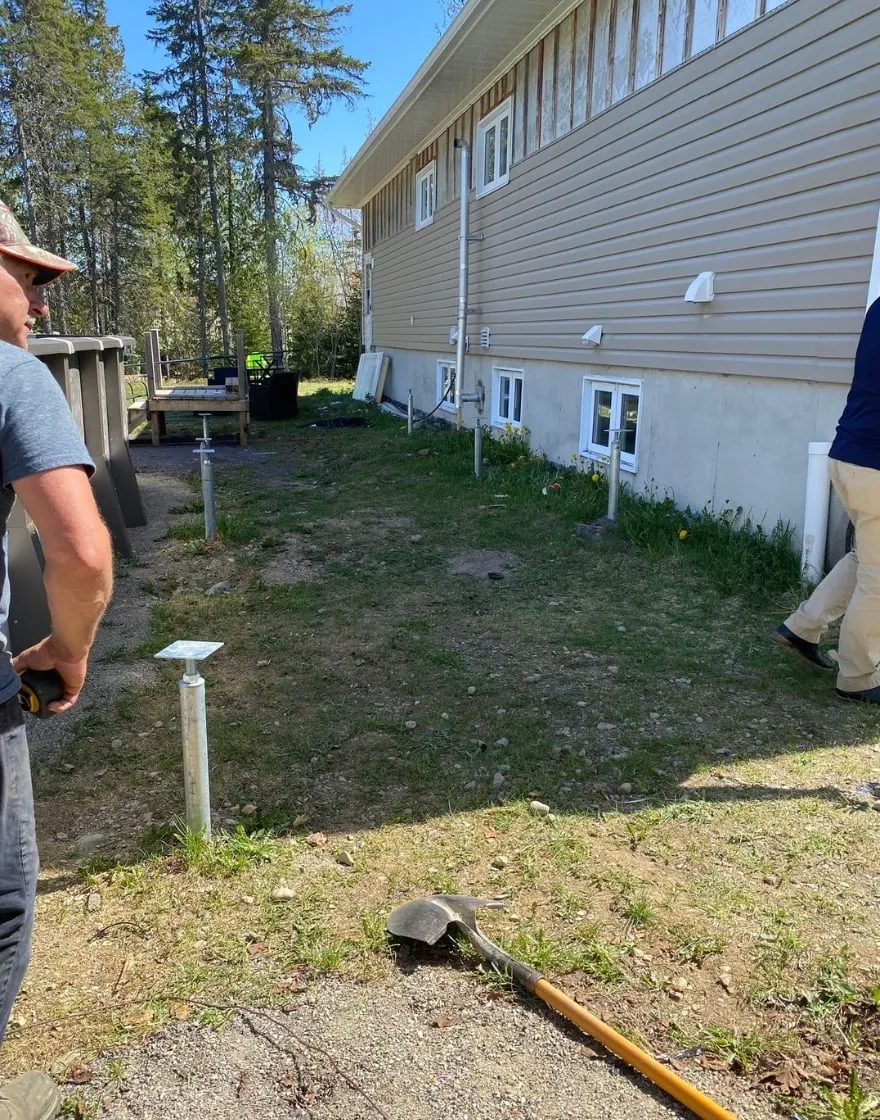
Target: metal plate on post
{"type": "Point", "coordinates": [189, 651]}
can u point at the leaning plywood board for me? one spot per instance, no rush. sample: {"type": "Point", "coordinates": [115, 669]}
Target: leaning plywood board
{"type": "Point", "coordinates": [362, 380]}
{"type": "Point", "coordinates": [381, 373]}
{"type": "Point", "coordinates": [370, 381]}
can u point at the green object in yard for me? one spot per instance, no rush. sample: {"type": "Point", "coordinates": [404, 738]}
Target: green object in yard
{"type": "Point", "coordinates": [256, 361]}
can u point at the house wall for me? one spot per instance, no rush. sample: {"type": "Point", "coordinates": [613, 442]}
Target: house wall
{"type": "Point", "coordinates": [721, 441]}
{"type": "Point", "coordinates": [758, 160]}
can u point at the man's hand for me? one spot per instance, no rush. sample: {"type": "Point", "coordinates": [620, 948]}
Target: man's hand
{"type": "Point", "coordinates": [46, 655]}
{"type": "Point", "coordinates": [78, 574]}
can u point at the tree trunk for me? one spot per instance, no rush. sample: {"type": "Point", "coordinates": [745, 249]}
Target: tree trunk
{"type": "Point", "coordinates": [203, 325]}
{"type": "Point", "coordinates": [91, 262]}
{"type": "Point", "coordinates": [230, 189]}
{"type": "Point", "coordinates": [115, 279]}
{"type": "Point", "coordinates": [220, 262]}
{"type": "Point", "coordinates": [24, 164]}
{"type": "Point", "coordinates": [270, 217]}
{"type": "Point", "coordinates": [200, 260]}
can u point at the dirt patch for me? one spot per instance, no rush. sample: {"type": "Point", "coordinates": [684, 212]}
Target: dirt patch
{"type": "Point", "coordinates": [290, 564]}
{"type": "Point", "coordinates": [482, 564]}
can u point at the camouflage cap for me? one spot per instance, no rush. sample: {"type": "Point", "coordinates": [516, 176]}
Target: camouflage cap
{"type": "Point", "coordinates": [15, 243]}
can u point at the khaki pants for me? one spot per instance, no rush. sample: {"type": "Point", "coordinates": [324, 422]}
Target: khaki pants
{"type": "Point", "coordinates": [851, 589]}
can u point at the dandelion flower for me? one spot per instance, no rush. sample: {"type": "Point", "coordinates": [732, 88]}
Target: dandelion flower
{"type": "Point", "coordinates": [594, 478]}
{"type": "Point", "coordinates": [682, 533]}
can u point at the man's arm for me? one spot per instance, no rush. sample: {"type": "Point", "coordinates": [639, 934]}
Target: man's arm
{"type": "Point", "coordinates": [78, 576]}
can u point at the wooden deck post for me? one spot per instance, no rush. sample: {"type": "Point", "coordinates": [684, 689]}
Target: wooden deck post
{"type": "Point", "coordinates": [121, 466]}
{"type": "Point", "coordinates": [152, 363]}
{"type": "Point", "coordinates": [244, 414]}
{"type": "Point", "coordinates": [97, 436]}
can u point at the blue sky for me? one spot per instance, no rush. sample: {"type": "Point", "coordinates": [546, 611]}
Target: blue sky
{"type": "Point", "coordinates": [393, 35]}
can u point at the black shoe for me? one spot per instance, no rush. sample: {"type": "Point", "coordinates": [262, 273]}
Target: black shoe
{"type": "Point", "coordinates": [809, 651]}
{"type": "Point", "coordinates": [864, 695]}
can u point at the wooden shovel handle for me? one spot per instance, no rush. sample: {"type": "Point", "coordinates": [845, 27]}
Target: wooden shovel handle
{"type": "Point", "coordinates": [685, 1093]}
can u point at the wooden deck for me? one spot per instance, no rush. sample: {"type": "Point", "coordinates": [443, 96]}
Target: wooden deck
{"type": "Point", "coordinates": [193, 398]}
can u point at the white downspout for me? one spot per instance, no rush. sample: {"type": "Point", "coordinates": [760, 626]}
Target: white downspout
{"type": "Point", "coordinates": [464, 190]}
{"type": "Point", "coordinates": [464, 239]}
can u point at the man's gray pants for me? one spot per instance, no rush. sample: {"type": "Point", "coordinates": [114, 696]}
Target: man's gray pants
{"type": "Point", "coordinates": [19, 862]}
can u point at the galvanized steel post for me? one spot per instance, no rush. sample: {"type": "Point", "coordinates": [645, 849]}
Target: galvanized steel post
{"type": "Point", "coordinates": [614, 476]}
{"type": "Point", "coordinates": [194, 729]}
{"type": "Point", "coordinates": [204, 451]}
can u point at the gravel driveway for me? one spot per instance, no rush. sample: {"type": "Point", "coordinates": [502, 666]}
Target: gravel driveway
{"type": "Point", "coordinates": [344, 1051]}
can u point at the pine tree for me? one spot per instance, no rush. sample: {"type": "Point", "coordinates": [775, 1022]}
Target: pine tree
{"type": "Point", "coordinates": [287, 57]}
{"type": "Point", "coordinates": [75, 182]}
{"type": "Point", "coordinates": [185, 30]}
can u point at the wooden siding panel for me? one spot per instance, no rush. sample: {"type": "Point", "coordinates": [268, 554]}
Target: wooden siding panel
{"type": "Point", "coordinates": [442, 187]}
{"type": "Point", "coordinates": [519, 111]}
{"type": "Point", "coordinates": [759, 161]}
{"type": "Point", "coordinates": [564, 67]}
{"type": "Point", "coordinates": [580, 82]}
{"type": "Point", "coordinates": [533, 109]}
{"type": "Point", "coordinates": [548, 90]}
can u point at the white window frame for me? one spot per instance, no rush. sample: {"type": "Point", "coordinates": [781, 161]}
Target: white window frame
{"type": "Point", "coordinates": [490, 121]}
{"type": "Point", "coordinates": [618, 387]}
{"type": "Point", "coordinates": [498, 418]}
{"type": "Point", "coordinates": [444, 368]}
{"type": "Point", "coordinates": [429, 174]}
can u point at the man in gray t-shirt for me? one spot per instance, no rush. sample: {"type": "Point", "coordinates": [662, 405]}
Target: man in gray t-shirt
{"type": "Point", "coordinates": [43, 463]}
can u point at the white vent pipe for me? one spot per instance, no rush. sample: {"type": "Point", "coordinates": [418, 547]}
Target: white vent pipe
{"type": "Point", "coordinates": [816, 509]}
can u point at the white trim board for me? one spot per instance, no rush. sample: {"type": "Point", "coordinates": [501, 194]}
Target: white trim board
{"type": "Point", "coordinates": [370, 381]}
{"type": "Point", "coordinates": [874, 282]}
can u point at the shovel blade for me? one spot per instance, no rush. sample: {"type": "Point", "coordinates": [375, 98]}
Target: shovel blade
{"type": "Point", "coordinates": [428, 919]}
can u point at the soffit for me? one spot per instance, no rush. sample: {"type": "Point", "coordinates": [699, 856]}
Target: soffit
{"type": "Point", "coordinates": [484, 40]}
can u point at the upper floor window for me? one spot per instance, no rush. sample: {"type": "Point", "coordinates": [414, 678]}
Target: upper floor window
{"type": "Point", "coordinates": [494, 148]}
{"type": "Point", "coordinates": [426, 195]}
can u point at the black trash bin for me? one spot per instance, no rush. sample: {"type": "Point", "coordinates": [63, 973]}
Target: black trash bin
{"type": "Point", "coordinates": [220, 373]}
{"type": "Point", "coordinates": [283, 389]}
{"type": "Point", "coordinates": [260, 399]}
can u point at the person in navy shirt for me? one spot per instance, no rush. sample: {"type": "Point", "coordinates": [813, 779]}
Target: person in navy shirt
{"type": "Point", "coordinates": [851, 590]}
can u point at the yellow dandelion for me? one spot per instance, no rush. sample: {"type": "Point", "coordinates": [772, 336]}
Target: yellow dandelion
{"type": "Point", "coordinates": [594, 478]}
{"type": "Point", "coordinates": [682, 533]}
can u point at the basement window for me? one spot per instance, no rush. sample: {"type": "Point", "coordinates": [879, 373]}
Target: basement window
{"type": "Point", "coordinates": [609, 408]}
{"type": "Point", "coordinates": [446, 385]}
{"type": "Point", "coordinates": [507, 397]}
{"type": "Point", "coordinates": [426, 195]}
{"type": "Point", "coordinates": [494, 145]}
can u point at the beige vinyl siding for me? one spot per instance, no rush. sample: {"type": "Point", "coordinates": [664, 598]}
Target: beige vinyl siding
{"type": "Point", "coordinates": [759, 160]}
{"type": "Point", "coordinates": [597, 55]}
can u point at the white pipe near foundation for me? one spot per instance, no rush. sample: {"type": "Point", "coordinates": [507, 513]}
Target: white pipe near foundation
{"type": "Point", "coordinates": [816, 509]}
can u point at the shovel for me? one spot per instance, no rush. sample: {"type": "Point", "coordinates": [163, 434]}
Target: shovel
{"type": "Point", "coordinates": [427, 920]}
